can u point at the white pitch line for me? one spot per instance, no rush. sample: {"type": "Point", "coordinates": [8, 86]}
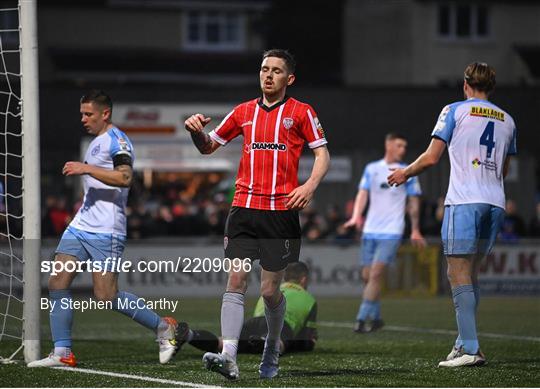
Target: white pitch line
{"type": "Point", "coordinates": [135, 377]}
{"type": "Point", "coordinates": [433, 331]}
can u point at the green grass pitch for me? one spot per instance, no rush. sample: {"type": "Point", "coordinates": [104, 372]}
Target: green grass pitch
{"type": "Point", "coordinates": [108, 341]}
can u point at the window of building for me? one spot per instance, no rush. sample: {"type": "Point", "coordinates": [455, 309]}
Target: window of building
{"type": "Point", "coordinates": [462, 21]}
{"type": "Point", "coordinates": [214, 31]}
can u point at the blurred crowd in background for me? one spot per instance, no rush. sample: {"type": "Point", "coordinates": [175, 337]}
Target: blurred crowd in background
{"type": "Point", "coordinates": [173, 210]}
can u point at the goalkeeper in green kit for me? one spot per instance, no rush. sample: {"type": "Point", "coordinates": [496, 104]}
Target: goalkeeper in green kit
{"type": "Point", "coordinates": [299, 330]}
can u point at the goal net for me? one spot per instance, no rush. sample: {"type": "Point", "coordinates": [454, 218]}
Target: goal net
{"type": "Point", "coordinates": [19, 182]}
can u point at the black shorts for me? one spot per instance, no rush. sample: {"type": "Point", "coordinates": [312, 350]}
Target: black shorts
{"type": "Point", "coordinates": [272, 237]}
{"type": "Point", "coordinates": [254, 332]}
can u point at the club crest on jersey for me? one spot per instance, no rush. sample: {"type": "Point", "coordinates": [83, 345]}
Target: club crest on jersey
{"type": "Point", "coordinates": [265, 146]}
{"type": "Point", "coordinates": [95, 150]}
{"type": "Point", "coordinates": [288, 123]}
{"type": "Point", "coordinates": [476, 163]}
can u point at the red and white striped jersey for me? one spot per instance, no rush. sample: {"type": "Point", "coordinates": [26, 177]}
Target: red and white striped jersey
{"type": "Point", "coordinates": [273, 141]}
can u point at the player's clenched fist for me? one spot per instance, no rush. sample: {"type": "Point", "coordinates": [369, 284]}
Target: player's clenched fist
{"type": "Point", "coordinates": [196, 123]}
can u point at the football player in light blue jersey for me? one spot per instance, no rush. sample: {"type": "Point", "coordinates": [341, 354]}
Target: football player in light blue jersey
{"type": "Point", "coordinates": [383, 229]}
{"type": "Point", "coordinates": [98, 233]}
{"type": "Point", "coordinates": [480, 138]}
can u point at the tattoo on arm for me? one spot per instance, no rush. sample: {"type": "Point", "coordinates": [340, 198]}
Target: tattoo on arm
{"type": "Point", "coordinates": [202, 141]}
{"type": "Point", "coordinates": [127, 173]}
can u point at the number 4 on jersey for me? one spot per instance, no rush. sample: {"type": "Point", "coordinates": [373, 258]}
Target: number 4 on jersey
{"type": "Point", "coordinates": [488, 138]}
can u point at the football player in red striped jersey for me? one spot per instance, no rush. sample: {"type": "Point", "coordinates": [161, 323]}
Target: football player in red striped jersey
{"type": "Point", "coordinates": [263, 222]}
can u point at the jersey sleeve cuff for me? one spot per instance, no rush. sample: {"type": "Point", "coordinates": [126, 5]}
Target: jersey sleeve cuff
{"type": "Point", "coordinates": [215, 137]}
{"type": "Point", "coordinates": [440, 138]}
{"type": "Point", "coordinates": [317, 143]}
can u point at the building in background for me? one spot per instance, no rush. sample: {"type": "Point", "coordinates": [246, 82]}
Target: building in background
{"type": "Point", "coordinates": [127, 41]}
{"type": "Point", "coordinates": [204, 42]}
{"type": "Point", "coordinates": [427, 42]}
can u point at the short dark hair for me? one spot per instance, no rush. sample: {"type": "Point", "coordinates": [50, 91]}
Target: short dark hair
{"type": "Point", "coordinates": [395, 135]}
{"type": "Point", "coordinates": [480, 76]}
{"type": "Point", "coordinates": [285, 55]}
{"type": "Point", "coordinates": [97, 97]}
{"type": "Point", "coordinates": [295, 271]}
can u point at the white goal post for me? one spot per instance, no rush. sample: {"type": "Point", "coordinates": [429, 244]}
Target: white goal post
{"type": "Point", "coordinates": [31, 188]}
{"type": "Point", "coordinates": [20, 214]}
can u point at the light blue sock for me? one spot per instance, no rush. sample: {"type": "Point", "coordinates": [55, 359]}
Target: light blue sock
{"type": "Point", "coordinates": [61, 318]}
{"type": "Point", "coordinates": [458, 344]}
{"type": "Point", "coordinates": [376, 311]}
{"type": "Point", "coordinates": [126, 303]}
{"type": "Point", "coordinates": [365, 310]}
{"type": "Point", "coordinates": [464, 303]}
{"type": "Point", "coordinates": [476, 291]}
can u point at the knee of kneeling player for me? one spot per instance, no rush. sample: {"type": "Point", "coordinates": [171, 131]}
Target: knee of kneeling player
{"type": "Point", "coordinates": [310, 345]}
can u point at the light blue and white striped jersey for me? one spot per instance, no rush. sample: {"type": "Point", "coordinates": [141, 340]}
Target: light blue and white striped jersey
{"type": "Point", "coordinates": [104, 207]}
{"type": "Point", "coordinates": [479, 136]}
{"type": "Point", "coordinates": [386, 213]}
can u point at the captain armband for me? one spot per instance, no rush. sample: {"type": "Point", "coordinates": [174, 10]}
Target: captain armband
{"type": "Point", "coordinates": [122, 159]}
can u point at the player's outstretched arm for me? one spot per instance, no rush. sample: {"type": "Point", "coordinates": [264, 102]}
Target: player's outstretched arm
{"type": "Point", "coordinates": [360, 203]}
{"type": "Point", "coordinates": [427, 159]}
{"type": "Point", "coordinates": [195, 125]}
{"type": "Point", "coordinates": [121, 176]}
{"type": "Point", "coordinates": [302, 195]}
